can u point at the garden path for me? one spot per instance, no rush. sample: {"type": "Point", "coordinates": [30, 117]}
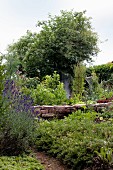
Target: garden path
{"type": "Point", "coordinates": [49, 162]}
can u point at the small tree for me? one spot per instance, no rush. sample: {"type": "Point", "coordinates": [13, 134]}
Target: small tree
{"type": "Point", "coordinates": [79, 80]}
{"type": "Point", "coordinates": [63, 41]}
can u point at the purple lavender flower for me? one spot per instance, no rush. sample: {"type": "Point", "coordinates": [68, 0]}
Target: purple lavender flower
{"type": "Point", "coordinates": [18, 102]}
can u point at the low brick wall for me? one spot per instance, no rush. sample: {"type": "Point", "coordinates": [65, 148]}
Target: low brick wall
{"type": "Point", "coordinates": [57, 111]}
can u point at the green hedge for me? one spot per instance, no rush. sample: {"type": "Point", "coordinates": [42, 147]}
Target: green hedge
{"type": "Point", "coordinates": [103, 71]}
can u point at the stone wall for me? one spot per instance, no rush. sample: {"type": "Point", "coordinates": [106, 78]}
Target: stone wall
{"type": "Point", "coordinates": [49, 112]}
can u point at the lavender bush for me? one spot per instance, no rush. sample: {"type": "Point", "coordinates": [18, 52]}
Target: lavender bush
{"type": "Point", "coordinates": [17, 123]}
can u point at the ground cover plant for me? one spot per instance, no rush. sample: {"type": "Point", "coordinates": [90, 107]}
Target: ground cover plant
{"type": "Point", "coordinates": [19, 163]}
{"type": "Point", "coordinates": [78, 140]}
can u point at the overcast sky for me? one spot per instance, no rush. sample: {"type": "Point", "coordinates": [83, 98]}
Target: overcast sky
{"type": "Point", "coordinates": [18, 16]}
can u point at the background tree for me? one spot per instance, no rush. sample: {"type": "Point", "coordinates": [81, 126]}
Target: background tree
{"type": "Point", "coordinates": [63, 41]}
{"type": "Point", "coordinates": [2, 77]}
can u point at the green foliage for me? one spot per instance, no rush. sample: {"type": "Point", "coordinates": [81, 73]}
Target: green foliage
{"type": "Point", "coordinates": [50, 91]}
{"type": "Point", "coordinates": [17, 128]}
{"type": "Point", "coordinates": [2, 82]}
{"type": "Point", "coordinates": [106, 94]}
{"type": "Point", "coordinates": [20, 162]}
{"type": "Point", "coordinates": [76, 99]}
{"type": "Point", "coordinates": [17, 53]}
{"type": "Point", "coordinates": [2, 76]}
{"type": "Point", "coordinates": [42, 95]}
{"type": "Point", "coordinates": [17, 134]}
{"type": "Point", "coordinates": [75, 139]}
{"type": "Point", "coordinates": [12, 64]}
{"type": "Point", "coordinates": [108, 113]}
{"type": "Point", "coordinates": [78, 81]}
{"type": "Point", "coordinates": [31, 82]}
{"type": "Point", "coordinates": [103, 71]}
{"type": "Point", "coordinates": [105, 154]}
{"type": "Point", "coordinates": [52, 81]}
{"type": "Point", "coordinates": [97, 89]}
{"type": "Point", "coordinates": [108, 84]}
{"type": "Point", "coordinates": [63, 41]}
{"type": "Point", "coordinates": [25, 82]}
{"type": "Point", "coordinates": [101, 84]}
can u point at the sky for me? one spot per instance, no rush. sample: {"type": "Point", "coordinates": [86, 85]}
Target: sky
{"type": "Point", "coordinates": [18, 16]}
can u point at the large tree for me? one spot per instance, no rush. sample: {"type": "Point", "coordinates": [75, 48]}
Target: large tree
{"type": "Point", "coordinates": [63, 41]}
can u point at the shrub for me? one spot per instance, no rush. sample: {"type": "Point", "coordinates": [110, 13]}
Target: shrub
{"type": "Point", "coordinates": [75, 139]}
{"type": "Point", "coordinates": [17, 122]}
{"type": "Point", "coordinates": [79, 80]}
{"type": "Point", "coordinates": [50, 91]}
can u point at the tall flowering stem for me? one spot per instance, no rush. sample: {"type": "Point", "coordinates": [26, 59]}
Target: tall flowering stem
{"type": "Point", "coordinates": [17, 101]}
{"type": "Point", "coordinates": [17, 123]}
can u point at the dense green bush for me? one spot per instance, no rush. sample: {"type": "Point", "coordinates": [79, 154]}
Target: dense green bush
{"type": "Point", "coordinates": [75, 139]}
{"type": "Point", "coordinates": [19, 163]}
{"type": "Point", "coordinates": [50, 91]}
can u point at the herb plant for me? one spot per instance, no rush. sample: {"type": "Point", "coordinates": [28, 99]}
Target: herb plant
{"type": "Point", "coordinates": [17, 121]}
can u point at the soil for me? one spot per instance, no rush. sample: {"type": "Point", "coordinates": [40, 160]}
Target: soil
{"type": "Point", "coordinates": [49, 162]}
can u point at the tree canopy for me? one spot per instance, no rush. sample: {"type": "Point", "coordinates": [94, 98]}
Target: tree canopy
{"type": "Point", "coordinates": [62, 42]}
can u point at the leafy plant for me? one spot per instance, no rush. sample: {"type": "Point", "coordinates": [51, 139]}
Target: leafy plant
{"type": "Point", "coordinates": [21, 162]}
{"type": "Point", "coordinates": [75, 139]}
{"type": "Point", "coordinates": [50, 91]}
{"type": "Point", "coordinates": [105, 154]}
{"type": "Point", "coordinates": [17, 122]}
{"type": "Point", "coordinates": [108, 113]}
